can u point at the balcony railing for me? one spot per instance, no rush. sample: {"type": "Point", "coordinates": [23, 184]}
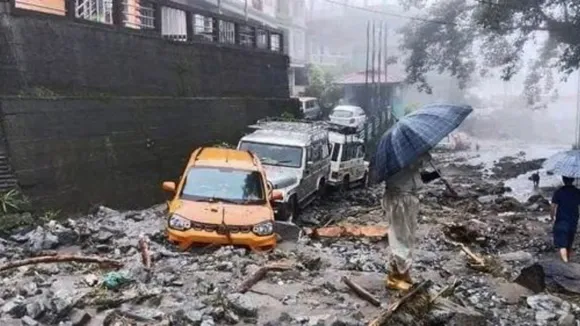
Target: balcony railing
{"type": "Point", "coordinates": [172, 21]}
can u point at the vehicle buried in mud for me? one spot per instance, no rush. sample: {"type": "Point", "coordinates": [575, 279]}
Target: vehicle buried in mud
{"type": "Point", "coordinates": [348, 166]}
{"type": "Point", "coordinates": [222, 198]}
{"type": "Point", "coordinates": [296, 158]}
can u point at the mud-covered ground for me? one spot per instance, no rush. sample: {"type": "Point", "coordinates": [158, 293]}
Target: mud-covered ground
{"type": "Point", "coordinates": [200, 287]}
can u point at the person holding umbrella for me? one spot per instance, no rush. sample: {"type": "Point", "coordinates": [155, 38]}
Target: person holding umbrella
{"type": "Point", "coordinates": [564, 210]}
{"type": "Point", "coordinates": [399, 158]}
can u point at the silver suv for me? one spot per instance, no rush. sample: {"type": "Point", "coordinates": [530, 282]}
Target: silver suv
{"type": "Point", "coordinates": [296, 157]}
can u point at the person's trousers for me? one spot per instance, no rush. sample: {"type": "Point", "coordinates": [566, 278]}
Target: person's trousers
{"type": "Point", "coordinates": [401, 211]}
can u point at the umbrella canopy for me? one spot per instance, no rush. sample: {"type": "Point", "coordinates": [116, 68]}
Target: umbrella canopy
{"type": "Point", "coordinates": [564, 163]}
{"type": "Point", "coordinates": [414, 135]}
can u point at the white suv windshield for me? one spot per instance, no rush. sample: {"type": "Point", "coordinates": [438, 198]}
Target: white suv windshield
{"type": "Point", "coordinates": [342, 114]}
{"type": "Point", "coordinates": [279, 155]}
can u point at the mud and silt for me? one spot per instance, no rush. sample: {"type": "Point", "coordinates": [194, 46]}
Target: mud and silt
{"type": "Point", "coordinates": [200, 287]}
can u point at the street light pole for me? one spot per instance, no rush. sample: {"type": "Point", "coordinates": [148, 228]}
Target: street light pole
{"type": "Point", "coordinates": [577, 140]}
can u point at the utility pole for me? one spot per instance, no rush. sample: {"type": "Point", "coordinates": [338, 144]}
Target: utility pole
{"type": "Point", "coordinates": [367, 66]}
{"type": "Point", "coordinates": [374, 38]}
{"type": "Point", "coordinates": [577, 140]}
{"type": "Point", "coordinates": [379, 63]}
{"type": "Point", "coordinates": [388, 94]}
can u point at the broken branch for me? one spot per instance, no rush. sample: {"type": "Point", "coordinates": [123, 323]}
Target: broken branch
{"type": "Point", "coordinates": [386, 314]}
{"type": "Point", "coordinates": [144, 249]}
{"type": "Point", "coordinates": [361, 292]}
{"type": "Point", "coordinates": [60, 259]}
{"type": "Point", "coordinates": [260, 273]}
{"type": "Point", "coordinates": [446, 291]}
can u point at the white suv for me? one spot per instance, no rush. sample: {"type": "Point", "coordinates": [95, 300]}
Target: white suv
{"type": "Point", "coordinates": [296, 157]}
{"type": "Point", "coordinates": [348, 115]}
{"type": "Point", "coordinates": [348, 166]}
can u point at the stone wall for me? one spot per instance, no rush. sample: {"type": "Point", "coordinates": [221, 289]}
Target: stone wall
{"type": "Point", "coordinates": [70, 153]}
{"type": "Point", "coordinates": [66, 57]}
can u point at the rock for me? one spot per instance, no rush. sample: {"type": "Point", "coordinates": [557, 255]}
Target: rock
{"type": "Point", "coordinates": [548, 307]}
{"type": "Point", "coordinates": [194, 317]}
{"type": "Point", "coordinates": [208, 322]}
{"type": "Point", "coordinates": [231, 317]}
{"type": "Point", "coordinates": [513, 292]}
{"type": "Point", "coordinates": [287, 231]}
{"type": "Point", "coordinates": [61, 303]}
{"type": "Point", "coordinates": [7, 321]}
{"type": "Point", "coordinates": [517, 256]}
{"type": "Point", "coordinates": [567, 320]}
{"type": "Point", "coordinates": [27, 321]}
{"type": "Point", "coordinates": [29, 289]}
{"type": "Point", "coordinates": [65, 235]}
{"type": "Point", "coordinates": [40, 239]}
{"type": "Point", "coordinates": [242, 305]}
{"type": "Point", "coordinates": [487, 199]}
{"type": "Point", "coordinates": [15, 307]}
{"type": "Point", "coordinates": [91, 279]}
{"type": "Point", "coordinates": [149, 314]}
{"type": "Point", "coordinates": [105, 212]}
{"type": "Point", "coordinates": [79, 317]}
{"type": "Point", "coordinates": [452, 314]}
{"type": "Point", "coordinates": [543, 317]}
{"type": "Point", "coordinates": [34, 309]}
{"type": "Point", "coordinates": [533, 278]}
{"type": "Point", "coordinates": [103, 236]}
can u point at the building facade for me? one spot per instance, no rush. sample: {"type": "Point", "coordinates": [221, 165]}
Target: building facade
{"type": "Point", "coordinates": [288, 16]}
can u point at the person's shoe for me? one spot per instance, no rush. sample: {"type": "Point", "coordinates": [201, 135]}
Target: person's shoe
{"type": "Point", "coordinates": [397, 283]}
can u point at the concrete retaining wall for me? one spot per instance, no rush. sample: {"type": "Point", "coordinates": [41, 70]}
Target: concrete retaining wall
{"type": "Point", "coordinates": [71, 153]}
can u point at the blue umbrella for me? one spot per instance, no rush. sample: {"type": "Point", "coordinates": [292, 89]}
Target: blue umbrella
{"type": "Point", "coordinates": [414, 135]}
{"type": "Point", "coordinates": [564, 163]}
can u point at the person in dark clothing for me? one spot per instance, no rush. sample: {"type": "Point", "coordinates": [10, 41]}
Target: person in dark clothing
{"type": "Point", "coordinates": [535, 179]}
{"type": "Point", "coordinates": [564, 212]}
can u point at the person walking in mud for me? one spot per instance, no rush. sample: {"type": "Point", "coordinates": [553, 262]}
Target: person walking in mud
{"type": "Point", "coordinates": [564, 212]}
{"type": "Point", "coordinates": [535, 178]}
{"type": "Point", "coordinates": [398, 160]}
{"type": "Point", "coordinates": [401, 207]}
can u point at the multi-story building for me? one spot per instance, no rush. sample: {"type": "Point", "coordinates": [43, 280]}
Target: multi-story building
{"type": "Point", "coordinates": [286, 15]}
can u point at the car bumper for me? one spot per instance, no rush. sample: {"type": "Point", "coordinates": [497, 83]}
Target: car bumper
{"type": "Point", "coordinates": [187, 239]}
{"type": "Point", "coordinates": [334, 182]}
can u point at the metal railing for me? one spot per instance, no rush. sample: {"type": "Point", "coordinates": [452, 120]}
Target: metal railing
{"type": "Point", "coordinates": [172, 21]}
{"type": "Point", "coordinates": [138, 14]}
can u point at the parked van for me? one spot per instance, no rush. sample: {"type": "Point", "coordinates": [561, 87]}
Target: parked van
{"type": "Point", "coordinates": [296, 157]}
{"type": "Point", "coordinates": [222, 198]}
{"type": "Point", "coordinates": [348, 166]}
{"type": "Point", "coordinates": [310, 108]}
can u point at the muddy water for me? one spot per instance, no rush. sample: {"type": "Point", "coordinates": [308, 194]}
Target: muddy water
{"type": "Point", "coordinates": [521, 186]}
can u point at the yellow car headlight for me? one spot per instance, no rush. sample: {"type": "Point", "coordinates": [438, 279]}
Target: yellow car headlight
{"type": "Point", "coordinates": [179, 223]}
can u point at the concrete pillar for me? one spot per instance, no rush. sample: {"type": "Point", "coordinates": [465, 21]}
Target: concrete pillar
{"type": "Point", "coordinates": [292, 80]}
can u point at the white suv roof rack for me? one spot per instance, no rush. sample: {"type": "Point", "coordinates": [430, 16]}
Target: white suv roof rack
{"type": "Point", "coordinates": [313, 129]}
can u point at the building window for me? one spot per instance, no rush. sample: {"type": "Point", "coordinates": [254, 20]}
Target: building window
{"type": "Point", "coordinates": [227, 32]}
{"type": "Point", "coordinates": [203, 27]}
{"type": "Point", "coordinates": [173, 24]}
{"type": "Point", "coordinates": [262, 40]}
{"type": "Point", "coordinates": [275, 42]}
{"type": "Point", "coordinates": [99, 10]}
{"type": "Point", "coordinates": [246, 35]}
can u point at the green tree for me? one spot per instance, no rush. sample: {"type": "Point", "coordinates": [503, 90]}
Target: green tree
{"type": "Point", "coordinates": [469, 37]}
{"type": "Point", "coordinates": [322, 86]}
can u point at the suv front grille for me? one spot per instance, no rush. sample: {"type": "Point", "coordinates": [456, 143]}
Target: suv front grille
{"type": "Point", "coordinates": [221, 229]}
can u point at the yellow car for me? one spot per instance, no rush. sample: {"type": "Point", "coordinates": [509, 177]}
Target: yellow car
{"type": "Point", "coordinates": [222, 198]}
